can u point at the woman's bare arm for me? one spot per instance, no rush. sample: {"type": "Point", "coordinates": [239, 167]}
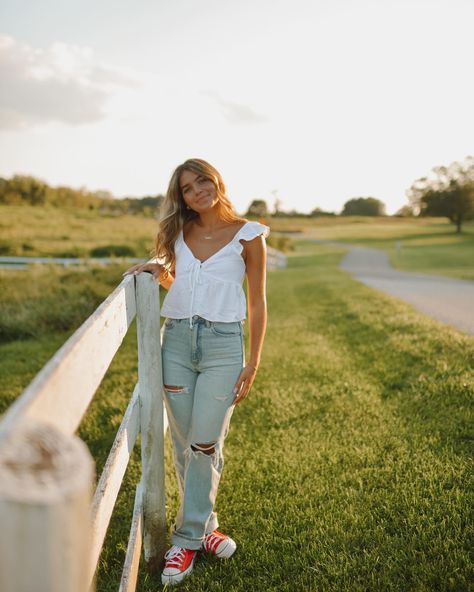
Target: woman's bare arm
{"type": "Point", "coordinates": [256, 256]}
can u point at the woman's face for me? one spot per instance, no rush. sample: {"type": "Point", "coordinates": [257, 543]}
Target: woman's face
{"type": "Point", "coordinates": [199, 192]}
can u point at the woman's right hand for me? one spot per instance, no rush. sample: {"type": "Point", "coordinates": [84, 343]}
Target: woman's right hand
{"type": "Point", "coordinates": [153, 268]}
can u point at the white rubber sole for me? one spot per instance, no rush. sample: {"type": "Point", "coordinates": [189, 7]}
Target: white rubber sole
{"type": "Point", "coordinates": [173, 579]}
{"type": "Point", "coordinates": [226, 550]}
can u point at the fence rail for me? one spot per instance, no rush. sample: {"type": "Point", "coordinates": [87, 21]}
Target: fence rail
{"type": "Point", "coordinates": [53, 405]}
{"type": "Point", "coordinates": [53, 528]}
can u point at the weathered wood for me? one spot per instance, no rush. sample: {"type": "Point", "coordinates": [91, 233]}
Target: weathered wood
{"type": "Point", "coordinates": [151, 419]}
{"type": "Point", "coordinates": [56, 400]}
{"type": "Point", "coordinates": [128, 583]}
{"type": "Point", "coordinates": [45, 491]}
{"type": "Point", "coordinates": [60, 394]}
{"type": "Point", "coordinates": [111, 479]}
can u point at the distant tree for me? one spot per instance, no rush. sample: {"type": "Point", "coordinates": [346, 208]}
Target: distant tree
{"type": "Point", "coordinates": [147, 206]}
{"type": "Point", "coordinates": [405, 211]}
{"type": "Point", "coordinates": [27, 190]}
{"type": "Point", "coordinates": [277, 204]}
{"type": "Point", "coordinates": [103, 194]}
{"type": "Point", "coordinates": [258, 208]}
{"type": "Point", "coordinates": [24, 189]}
{"type": "Point", "coordinates": [295, 214]}
{"type": "Point", "coordinates": [446, 191]}
{"type": "Point", "coordinates": [319, 213]}
{"type": "Point", "coordinates": [66, 197]}
{"type": "Point", "coordinates": [363, 206]}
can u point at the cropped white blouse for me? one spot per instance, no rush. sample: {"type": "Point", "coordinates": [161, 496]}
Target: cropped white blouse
{"type": "Point", "coordinates": [211, 289]}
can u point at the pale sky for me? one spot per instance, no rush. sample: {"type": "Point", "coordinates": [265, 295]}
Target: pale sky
{"type": "Point", "coordinates": [313, 101]}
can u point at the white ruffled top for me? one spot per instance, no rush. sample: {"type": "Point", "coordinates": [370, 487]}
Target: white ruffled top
{"type": "Point", "coordinates": [211, 289]}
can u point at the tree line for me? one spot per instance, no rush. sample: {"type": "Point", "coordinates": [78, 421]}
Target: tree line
{"type": "Point", "coordinates": [446, 191]}
{"type": "Point", "coordinates": [357, 206]}
{"type": "Point", "coordinates": [28, 190]}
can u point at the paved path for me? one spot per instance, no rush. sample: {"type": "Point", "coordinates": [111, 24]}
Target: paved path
{"type": "Point", "coordinates": [445, 299]}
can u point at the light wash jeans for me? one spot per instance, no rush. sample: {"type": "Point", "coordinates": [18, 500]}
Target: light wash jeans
{"type": "Point", "coordinates": [202, 363]}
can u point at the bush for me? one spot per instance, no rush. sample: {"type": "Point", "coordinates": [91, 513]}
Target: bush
{"type": "Point", "coordinates": [72, 253]}
{"type": "Point", "coordinates": [5, 249]}
{"type": "Point", "coordinates": [282, 243]}
{"type": "Point", "coordinates": [113, 251]}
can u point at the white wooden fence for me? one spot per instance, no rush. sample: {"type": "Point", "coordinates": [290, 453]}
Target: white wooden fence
{"type": "Point", "coordinates": [52, 526]}
{"type": "Point", "coordinates": [275, 259]}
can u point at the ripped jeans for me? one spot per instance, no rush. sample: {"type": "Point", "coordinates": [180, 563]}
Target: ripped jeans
{"type": "Point", "coordinates": [201, 365]}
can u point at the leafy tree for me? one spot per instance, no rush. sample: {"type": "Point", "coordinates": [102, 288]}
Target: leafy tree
{"type": "Point", "coordinates": [446, 191]}
{"type": "Point", "coordinates": [258, 208]}
{"type": "Point", "coordinates": [24, 189]}
{"type": "Point", "coordinates": [363, 206]}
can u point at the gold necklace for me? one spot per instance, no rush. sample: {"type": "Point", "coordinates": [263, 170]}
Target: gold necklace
{"type": "Point", "coordinates": [208, 236]}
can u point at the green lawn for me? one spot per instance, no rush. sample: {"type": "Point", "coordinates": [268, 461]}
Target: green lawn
{"type": "Point", "coordinates": [349, 466]}
{"type": "Point", "coordinates": [36, 231]}
{"type": "Point", "coordinates": [427, 245]}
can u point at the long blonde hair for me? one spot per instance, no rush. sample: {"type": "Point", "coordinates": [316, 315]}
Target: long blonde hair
{"type": "Point", "coordinates": [174, 213]}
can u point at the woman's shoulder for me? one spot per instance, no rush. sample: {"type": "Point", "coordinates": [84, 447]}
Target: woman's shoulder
{"type": "Point", "coordinates": [251, 229]}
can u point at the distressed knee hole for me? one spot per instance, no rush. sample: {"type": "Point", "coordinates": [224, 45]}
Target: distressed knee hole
{"type": "Point", "coordinates": [174, 389]}
{"type": "Point", "coordinates": [205, 448]}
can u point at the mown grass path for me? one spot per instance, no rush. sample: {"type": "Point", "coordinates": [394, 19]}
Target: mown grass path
{"type": "Point", "coordinates": [348, 467]}
{"type": "Point", "coordinates": [426, 245]}
{"type": "Point", "coordinates": [449, 300]}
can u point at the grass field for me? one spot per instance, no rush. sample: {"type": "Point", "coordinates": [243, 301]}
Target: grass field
{"type": "Point", "coordinates": [422, 245]}
{"type": "Point", "coordinates": [348, 468]}
{"type": "Point", "coordinates": [427, 245]}
{"type": "Point", "coordinates": [34, 231]}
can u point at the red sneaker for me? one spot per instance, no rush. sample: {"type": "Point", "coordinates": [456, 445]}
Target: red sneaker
{"type": "Point", "coordinates": [219, 544]}
{"type": "Point", "coordinates": [179, 563]}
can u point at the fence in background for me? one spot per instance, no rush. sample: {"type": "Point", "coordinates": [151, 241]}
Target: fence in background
{"type": "Point", "coordinates": [275, 259]}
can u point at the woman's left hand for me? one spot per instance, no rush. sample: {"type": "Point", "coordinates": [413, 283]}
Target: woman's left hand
{"type": "Point", "coordinates": [244, 383]}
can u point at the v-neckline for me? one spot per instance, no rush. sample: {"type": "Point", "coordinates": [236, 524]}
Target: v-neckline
{"type": "Point", "coordinates": [218, 250]}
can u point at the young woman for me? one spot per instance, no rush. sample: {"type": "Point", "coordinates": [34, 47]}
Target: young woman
{"type": "Point", "coordinates": [206, 249]}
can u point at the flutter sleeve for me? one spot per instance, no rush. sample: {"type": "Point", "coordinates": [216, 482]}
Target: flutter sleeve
{"type": "Point", "coordinates": [248, 232]}
{"type": "Point", "coordinates": [253, 229]}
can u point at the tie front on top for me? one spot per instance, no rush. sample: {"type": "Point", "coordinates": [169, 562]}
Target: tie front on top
{"type": "Point", "coordinates": [211, 289]}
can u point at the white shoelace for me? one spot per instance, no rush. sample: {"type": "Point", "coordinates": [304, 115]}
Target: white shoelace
{"type": "Point", "coordinates": [211, 540]}
{"type": "Point", "coordinates": [175, 554]}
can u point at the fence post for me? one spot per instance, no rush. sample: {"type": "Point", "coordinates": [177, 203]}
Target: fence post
{"type": "Point", "coordinates": [46, 480]}
{"type": "Point", "coordinates": [151, 419]}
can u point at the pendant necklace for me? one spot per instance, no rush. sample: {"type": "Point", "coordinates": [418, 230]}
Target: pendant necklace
{"type": "Point", "coordinates": [208, 236]}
